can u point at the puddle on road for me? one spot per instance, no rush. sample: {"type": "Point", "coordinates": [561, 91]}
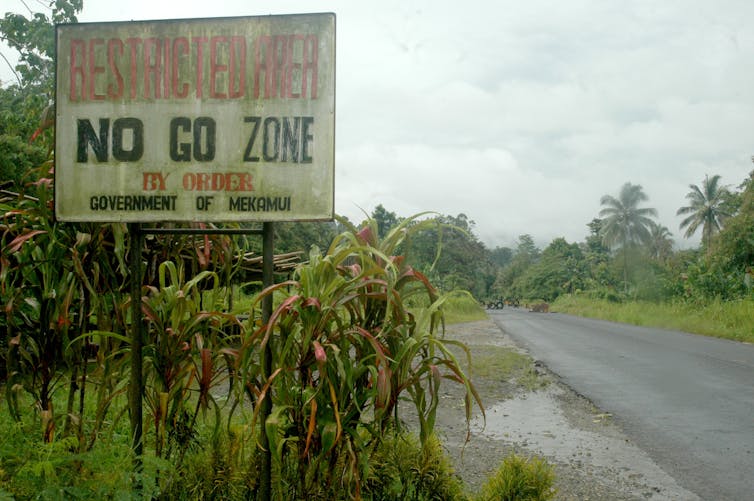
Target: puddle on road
{"type": "Point", "coordinates": [536, 422]}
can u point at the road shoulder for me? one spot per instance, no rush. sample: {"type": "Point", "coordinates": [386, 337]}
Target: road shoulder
{"type": "Point", "coordinates": [592, 457]}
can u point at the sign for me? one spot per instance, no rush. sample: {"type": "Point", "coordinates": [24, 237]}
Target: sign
{"type": "Point", "coordinates": [212, 120]}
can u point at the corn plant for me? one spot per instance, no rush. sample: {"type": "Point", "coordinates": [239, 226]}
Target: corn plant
{"type": "Point", "coordinates": [39, 288]}
{"type": "Point", "coordinates": [182, 356]}
{"type": "Point", "coordinates": [345, 348]}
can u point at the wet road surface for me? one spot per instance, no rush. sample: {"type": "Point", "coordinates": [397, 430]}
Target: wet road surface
{"type": "Point", "coordinates": [687, 400]}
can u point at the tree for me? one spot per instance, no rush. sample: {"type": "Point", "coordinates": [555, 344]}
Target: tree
{"type": "Point", "coordinates": [385, 219]}
{"type": "Point", "coordinates": [624, 223]}
{"type": "Point", "coordinates": [34, 39]}
{"type": "Point", "coordinates": [507, 278]}
{"type": "Point", "coordinates": [734, 252]}
{"type": "Point", "coordinates": [660, 242]}
{"type": "Point", "coordinates": [560, 269]}
{"type": "Point", "coordinates": [23, 106]}
{"type": "Point", "coordinates": [708, 207]}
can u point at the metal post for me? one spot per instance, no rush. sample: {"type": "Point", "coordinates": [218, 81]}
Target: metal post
{"type": "Point", "coordinates": [268, 279]}
{"type": "Point", "coordinates": [136, 387]}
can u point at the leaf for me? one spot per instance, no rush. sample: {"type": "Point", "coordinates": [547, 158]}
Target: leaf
{"type": "Point", "coordinates": [17, 242]}
{"type": "Point", "coordinates": [312, 426]}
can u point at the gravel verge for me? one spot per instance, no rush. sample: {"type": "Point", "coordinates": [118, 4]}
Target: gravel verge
{"type": "Point", "coordinates": [533, 413]}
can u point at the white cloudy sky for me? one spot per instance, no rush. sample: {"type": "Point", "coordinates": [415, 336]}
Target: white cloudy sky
{"type": "Point", "coordinates": [521, 115]}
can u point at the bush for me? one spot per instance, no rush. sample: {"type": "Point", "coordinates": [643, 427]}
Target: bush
{"type": "Point", "coordinates": [402, 469]}
{"type": "Point", "coordinates": [520, 479]}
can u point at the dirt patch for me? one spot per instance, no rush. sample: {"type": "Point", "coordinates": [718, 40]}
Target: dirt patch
{"type": "Point", "coordinates": [530, 412]}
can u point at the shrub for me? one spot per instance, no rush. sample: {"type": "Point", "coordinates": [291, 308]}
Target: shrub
{"type": "Point", "coordinates": [520, 479]}
{"type": "Point", "coordinates": [401, 468]}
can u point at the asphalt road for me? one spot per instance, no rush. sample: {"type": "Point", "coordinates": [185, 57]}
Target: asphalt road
{"type": "Point", "coordinates": [687, 400]}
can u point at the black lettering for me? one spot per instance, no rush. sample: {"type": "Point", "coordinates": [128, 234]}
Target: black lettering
{"type": "Point", "coordinates": [86, 137]}
{"type": "Point", "coordinates": [137, 139]}
{"type": "Point", "coordinates": [204, 126]}
{"type": "Point", "coordinates": [275, 136]}
{"type": "Point", "coordinates": [133, 202]}
{"type": "Point", "coordinates": [179, 152]}
{"type": "Point", "coordinates": [290, 139]}
{"type": "Point", "coordinates": [247, 157]}
{"type": "Point", "coordinates": [259, 204]}
{"type": "Point", "coordinates": [306, 138]}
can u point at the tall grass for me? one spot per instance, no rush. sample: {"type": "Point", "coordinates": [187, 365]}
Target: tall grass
{"type": "Point", "coordinates": [724, 319]}
{"type": "Point", "coordinates": [459, 306]}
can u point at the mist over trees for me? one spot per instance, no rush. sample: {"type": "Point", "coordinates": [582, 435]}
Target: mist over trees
{"type": "Point", "coordinates": [625, 255]}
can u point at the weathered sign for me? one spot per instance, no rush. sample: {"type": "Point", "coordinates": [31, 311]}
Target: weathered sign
{"type": "Point", "coordinates": [229, 119]}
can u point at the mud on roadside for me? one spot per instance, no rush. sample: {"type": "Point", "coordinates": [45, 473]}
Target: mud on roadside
{"type": "Point", "coordinates": [592, 457]}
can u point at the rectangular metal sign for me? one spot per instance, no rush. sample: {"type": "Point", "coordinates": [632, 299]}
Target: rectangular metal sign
{"type": "Point", "coordinates": [228, 119]}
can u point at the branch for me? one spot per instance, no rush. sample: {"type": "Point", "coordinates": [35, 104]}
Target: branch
{"type": "Point", "coordinates": [15, 73]}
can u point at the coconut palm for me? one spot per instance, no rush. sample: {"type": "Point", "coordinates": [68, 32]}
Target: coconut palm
{"type": "Point", "coordinates": [624, 223]}
{"type": "Point", "coordinates": [660, 241]}
{"type": "Point", "coordinates": [707, 208]}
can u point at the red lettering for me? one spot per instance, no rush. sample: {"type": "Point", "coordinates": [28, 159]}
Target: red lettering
{"type": "Point", "coordinates": [215, 67]}
{"type": "Point", "coordinates": [199, 42]}
{"type": "Point", "coordinates": [203, 181]}
{"type": "Point", "coordinates": [113, 45]}
{"type": "Point", "coordinates": [290, 66]}
{"type": "Point", "coordinates": [189, 181]}
{"type": "Point", "coordinates": [94, 69]}
{"type": "Point", "coordinates": [277, 58]}
{"type": "Point", "coordinates": [166, 68]}
{"type": "Point", "coordinates": [132, 43]}
{"type": "Point", "coordinates": [152, 181]}
{"type": "Point", "coordinates": [180, 48]}
{"type": "Point", "coordinates": [78, 58]}
{"type": "Point", "coordinates": [310, 62]}
{"type": "Point", "coordinates": [152, 64]}
{"type": "Point", "coordinates": [237, 67]}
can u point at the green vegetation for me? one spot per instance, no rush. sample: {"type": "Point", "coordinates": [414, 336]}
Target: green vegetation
{"type": "Point", "coordinates": [723, 319]}
{"type": "Point", "coordinates": [355, 329]}
{"type": "Point", "coordinates": [520, 479]}
{"type": "Point", "coordinates": [506, 363]}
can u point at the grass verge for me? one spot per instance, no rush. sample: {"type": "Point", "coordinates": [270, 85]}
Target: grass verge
{"type": "Point", "coordinates": [724, 319]}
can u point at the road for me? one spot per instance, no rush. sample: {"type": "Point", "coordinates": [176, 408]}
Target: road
{"type": "Point", "coordinates": [687, 400]}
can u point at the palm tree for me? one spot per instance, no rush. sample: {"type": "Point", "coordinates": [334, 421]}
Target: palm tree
{"type": "Point", "coordinates": [707, 208]}
{"type": "Point", "coordinates": [660, 243]}
{"type": "Point", "coordinates": [624, 222]}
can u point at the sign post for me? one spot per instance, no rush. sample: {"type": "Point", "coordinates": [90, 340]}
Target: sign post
{"type": "Point", "coordinates": [194, 120]}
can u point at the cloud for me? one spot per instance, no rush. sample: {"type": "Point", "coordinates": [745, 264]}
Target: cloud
{"type": "Point", "coordinates": [521, 115]}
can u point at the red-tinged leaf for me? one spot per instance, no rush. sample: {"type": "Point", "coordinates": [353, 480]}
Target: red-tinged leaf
{"type": "Point", "coordinates": [206, 379]}
{"type": "Point", "coordinates": [436, 376]}
{"type": "Point", "coordinates": [366, 235]}
{"type": "Point", "coordinates": [312, 301]}
{"type": "Point", "coordinates": [353, 269]}
{"type": "Point", "coordinates": [378, 348]}
{"type": "Point", "coordinates": [284, 307]}
{"type": "Point", "coordinates": [231, 352]}
{"type": "Point", "coordinates": [45, 181]}
{"type": "Point", "coordinates": [312, 426]}
{"type": "Point", "coordinates": [262, 394]}
{"type": "Point", "coordinates": [397, 260]}
{"type": "Point", "coordinates": [36, 134]}
{"type": "Point", "coordinates": [319, 353]}
{"type": "Point", "coordinates": [383, 387]}
{"type": "Point", "coordinates": [17, 242]}
{"type": "Point", "coordinates": [336, 412]}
